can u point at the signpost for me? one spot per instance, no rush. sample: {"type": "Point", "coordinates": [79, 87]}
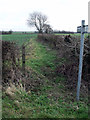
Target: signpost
{"type": "Point", "coordinates": [81, 58]}
{"type": "Point", "coordinates": [79, 29]}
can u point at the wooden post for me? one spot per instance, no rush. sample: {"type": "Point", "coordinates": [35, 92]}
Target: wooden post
{"type": "Point", "coordinates": [23, 59]}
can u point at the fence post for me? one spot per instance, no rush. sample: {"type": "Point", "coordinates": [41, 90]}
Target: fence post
{"type": "Point", "coordinates": [23, 59]}
{"type": "Point", "coordinates": [80, 58]}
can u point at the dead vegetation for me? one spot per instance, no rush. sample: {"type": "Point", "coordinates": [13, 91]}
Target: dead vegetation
{"type": "Point", "coordinates": [12, 70]}
{"type": "Point", "coordinates": [10, 54]}
{"type": "Point", "coordinates": [68, 47]}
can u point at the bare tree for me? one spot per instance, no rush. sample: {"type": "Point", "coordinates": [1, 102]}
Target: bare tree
{"type": "Point", "coordinates": [37, 20]}
{"type": "Point", "coordinates": [47, 28]}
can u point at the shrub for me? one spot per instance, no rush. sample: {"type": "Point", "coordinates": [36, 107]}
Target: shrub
{"type": "Point", "coordinates": [7, 32]}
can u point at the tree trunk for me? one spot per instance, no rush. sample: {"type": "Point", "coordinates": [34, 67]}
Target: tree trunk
{"type": "Point", "coordinates": [40, 31]}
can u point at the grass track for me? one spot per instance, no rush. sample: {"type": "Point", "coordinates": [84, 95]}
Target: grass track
{"type": "Point", "coordinates": [52, 101]}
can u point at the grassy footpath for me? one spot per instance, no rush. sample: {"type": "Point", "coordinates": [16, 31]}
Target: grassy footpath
{"type": "Point", "coordinates": [24, 105]}
{"type": "Point", "coordinates": [52, 100]}
{"type": "Point", "coordinates": [40, 56]}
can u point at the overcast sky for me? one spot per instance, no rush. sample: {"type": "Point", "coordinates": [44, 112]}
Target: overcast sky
{"type": "Point", "coordinates": [62, 14]}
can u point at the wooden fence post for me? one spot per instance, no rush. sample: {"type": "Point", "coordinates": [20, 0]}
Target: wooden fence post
{"type": "Point", "coordinates": [23, 59]}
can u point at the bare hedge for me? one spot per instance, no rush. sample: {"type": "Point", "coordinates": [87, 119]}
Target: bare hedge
{"type": "Point", "coordinates": [69, 47]}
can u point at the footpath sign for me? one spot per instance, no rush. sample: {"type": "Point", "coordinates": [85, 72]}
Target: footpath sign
{"type": "Point", "coordinates": [85, 27]}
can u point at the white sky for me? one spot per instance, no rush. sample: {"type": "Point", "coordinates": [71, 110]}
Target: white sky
{"type": "Point", "coordinates": [62, 14]}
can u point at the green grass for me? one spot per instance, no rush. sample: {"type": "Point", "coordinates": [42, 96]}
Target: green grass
{"type": "Point", "coordinates": [52, 100]}
{"type": "Point", "coordinates": [41, 106]}
{"type": "Point", "coordinates": [40, 56]}
{"type": "Point", "coordinates": [75, 34]}
{"type": "Point", "coordinates": [18, 38]}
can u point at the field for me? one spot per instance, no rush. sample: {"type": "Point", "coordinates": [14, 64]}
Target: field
{"type": "Point", "coordinates": [18, 38]}
{"type": "Point", "coordinates": [53, 99]}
